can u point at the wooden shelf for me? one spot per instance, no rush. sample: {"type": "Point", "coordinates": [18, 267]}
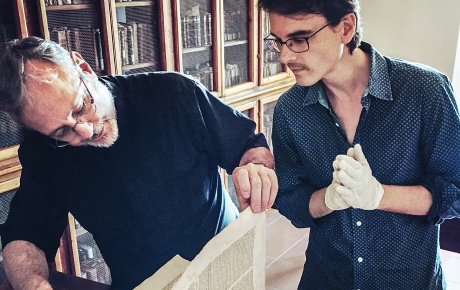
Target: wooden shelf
{"type": "Point", "coordinates": [69, 7]}
{"type": "Point", "coordinates": [235, 42]}
{"type": "Point", "coordinates": [134, 3]}
{"type": "Point", "coordinates": [196, 49]}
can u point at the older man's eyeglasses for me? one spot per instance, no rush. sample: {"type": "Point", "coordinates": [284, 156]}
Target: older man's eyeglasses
{"type": "Point", "coordinates": [295, 44]}
{"type": "Point", "coordinates": [88, 109]}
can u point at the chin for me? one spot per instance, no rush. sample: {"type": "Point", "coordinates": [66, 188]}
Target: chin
{"type": "Point", "coordinates": [306, 81]}
{"type": "Point", "coordinates": [109, 137]}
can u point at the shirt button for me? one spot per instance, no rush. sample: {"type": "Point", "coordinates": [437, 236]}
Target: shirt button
{"type": "Point", "coordinates": [337, 124]}
{"type": "Point", "coordinates": [358, 223]}
{"type": "Point", "coordinates": [360, 259]}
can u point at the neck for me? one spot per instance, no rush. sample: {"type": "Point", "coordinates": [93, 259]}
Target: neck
{"type": "Point", "coordinates": [349, 78]}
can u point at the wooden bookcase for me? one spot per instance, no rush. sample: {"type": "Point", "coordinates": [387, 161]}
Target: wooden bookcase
{"type": "Point", "coordinates": [219, 43]}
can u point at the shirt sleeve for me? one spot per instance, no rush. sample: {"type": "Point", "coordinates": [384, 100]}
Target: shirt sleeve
{"type": "Point", "coordinates": [441, 147]}
{"type": "Point", "coordinates": [230, 132]}
{"type": "Point", "coordinates": [35, 215]}
{"type": "Point", "coordinates": [295, 190]}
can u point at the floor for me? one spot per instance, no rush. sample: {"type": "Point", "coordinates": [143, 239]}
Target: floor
{"type": "Point", "coordinates": [285, 255]}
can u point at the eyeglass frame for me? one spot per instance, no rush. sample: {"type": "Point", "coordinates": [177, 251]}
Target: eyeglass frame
{"type": "Point", "coordinates": [59, 143]}
{"type": "Point", "coordinates": [272, 43]}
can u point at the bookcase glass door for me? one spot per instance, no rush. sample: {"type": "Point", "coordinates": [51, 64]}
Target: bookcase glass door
{"type": "Point", "coordinates": [267, 107]}
{"type": "Point", "coordinates": [270, 60]}
{"type": "Point", "coordinates": [77, 26]}
{"type": "Point", "coordinates": [196, 28]}
{"type": "Point", "coordinates": [92, 265]}
{"type": "Point", "coordinates": [6, 23]}
{"type": "Point", "coordinates": [236, 42]}
{"type": "Point", "coordinates": [138, 36]}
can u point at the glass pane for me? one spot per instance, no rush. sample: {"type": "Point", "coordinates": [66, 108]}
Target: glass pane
{"type": "Point", "coordinates": [92, 264]}
{"type": "Point", "coordinates": [6, 23]}
{"type": "Point", "coordinates": [236, 42]}
{"type": "Point", "coordinates": [138, 33]}
{"type": "Point", "coordinates": [196, 37]}
{"type": "Point", "coordinates": [78, 30]}
{"type": "Point", "coordinates": [271, 63]}
{"type": "Point", "coordinates": [268, 110]}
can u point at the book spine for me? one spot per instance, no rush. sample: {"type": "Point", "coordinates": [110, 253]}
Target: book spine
{"type": "Point", "coordinates": [135, 46]}
{"type": "Point", "coordinates": [130, 42]}
{"type": "Point", "coordinates": [98, 48]}
{"type": "Point", "coordinates": [184, 27]}
{"type": "Point", "coordinates": [122, 40]}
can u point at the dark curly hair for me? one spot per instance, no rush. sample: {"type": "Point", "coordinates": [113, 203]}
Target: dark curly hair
{"type": "Point", "coordinates": [333, 10]}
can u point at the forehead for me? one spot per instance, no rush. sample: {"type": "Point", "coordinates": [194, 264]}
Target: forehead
{"type": "Point", "coordinates": [287, 25]}
{"type": "Point", "coordinates": [51, 94]}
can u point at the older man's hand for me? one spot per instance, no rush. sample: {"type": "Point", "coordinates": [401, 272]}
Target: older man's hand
{"type": "Point", "coordinates": [256, 186]}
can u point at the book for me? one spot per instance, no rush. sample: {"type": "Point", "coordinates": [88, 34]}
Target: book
{"type": "Point", "coordinates": [135, 47]}
{"type": "Point", "coordinates": [98, 46]}
{"type": "Point", "coordinates": [59, 35]}
{"type": "Point", "coordinates": [73, 39]}
{"type": "Point", "coordinates": [130, 29]}
{"type": "Point", "coordinates": [88, 48]}
{"type": "Point", "coordinates": [122, 37]}
{"type": "Point", "coordinates": [146, 42]}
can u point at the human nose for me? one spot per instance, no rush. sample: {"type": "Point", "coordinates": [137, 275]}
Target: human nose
{"type": "Point", "coordinates": [84, 130]}
{"type": "Point", "coordinates": [286, 55]}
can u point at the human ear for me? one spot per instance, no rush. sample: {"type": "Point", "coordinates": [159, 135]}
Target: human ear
{"type": "Point", "coordinates": [81, 63]}
{"type": "Point", "coordinates": [349, 27]}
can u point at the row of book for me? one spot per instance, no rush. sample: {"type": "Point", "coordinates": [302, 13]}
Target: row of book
{"type": "Point", "coordinates": [196, 30]}
{"type": "Point", "coordinates": [233, 29]}
{"type": "Point", "coordinates": [234, 74]}
{"type": "Point", "coordinates": [272, 65]}
{"type": "Point", "coordinates": [203, 74]}
{"type": "Point", "coordinates": [62, 2]}
{"type": "Point", "coordinates": [137, 42]}
{"type": "Point", "coordinates": [85, 40]}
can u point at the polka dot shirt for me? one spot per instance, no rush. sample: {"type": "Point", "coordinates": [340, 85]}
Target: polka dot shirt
{"type": "Point", "coordinates": [409, 130]}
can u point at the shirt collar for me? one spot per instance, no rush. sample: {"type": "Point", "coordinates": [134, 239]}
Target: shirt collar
{"type": "Point", "coordinates": [379, 84]}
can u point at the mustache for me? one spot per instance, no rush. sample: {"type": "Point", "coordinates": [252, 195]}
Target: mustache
{"type": "Point", "coordinates": [294, 65]}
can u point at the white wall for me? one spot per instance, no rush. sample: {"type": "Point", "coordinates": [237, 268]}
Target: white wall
{"type": "Point", "coordinates": [456, 77]}
{"type": "Point", "coordinates": [425, 31]}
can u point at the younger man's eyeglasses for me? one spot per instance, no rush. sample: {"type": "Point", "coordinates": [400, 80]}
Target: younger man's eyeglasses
{"type": "Point", "coordinates": [295, 44]}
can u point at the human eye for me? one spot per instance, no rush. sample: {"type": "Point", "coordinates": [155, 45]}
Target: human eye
{"type": "Point", "coordinates": [298, 40]}
{"type": "Point", "coordinates": [80, 111]}
{"type": "Point", "coordinates": [61, 133]}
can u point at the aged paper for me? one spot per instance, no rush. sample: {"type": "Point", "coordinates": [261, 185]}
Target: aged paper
{"type": "Point", "coordinates": [166, 276]}
{"type": "Point", "coordinates": [234, 259]}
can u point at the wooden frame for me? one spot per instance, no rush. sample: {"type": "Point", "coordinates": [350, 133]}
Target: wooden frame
{"type": "Point", "coordinates": [252, 53]}
{"type": "Point", "coordinates": [273, 78]}
{"type": "Point", "coordinates": [10, 169]}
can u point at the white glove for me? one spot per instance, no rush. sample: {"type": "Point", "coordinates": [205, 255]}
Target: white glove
{"type": "Point", "coordinates": [333, 199]}
{"type": "Point", "coordinates": [358, 187]}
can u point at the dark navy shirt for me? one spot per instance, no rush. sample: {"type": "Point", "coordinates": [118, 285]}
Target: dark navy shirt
{"type": "Point", "coordinates": [155, 193]}
{"type": "Point", "coordinates": [409, 130]}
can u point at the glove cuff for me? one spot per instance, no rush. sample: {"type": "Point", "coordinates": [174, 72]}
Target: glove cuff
{"type": "Point", "coordinates": [378, 194]}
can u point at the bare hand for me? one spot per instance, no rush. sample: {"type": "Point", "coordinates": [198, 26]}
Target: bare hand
{"type": "Point", "coordinates": [256, 186]}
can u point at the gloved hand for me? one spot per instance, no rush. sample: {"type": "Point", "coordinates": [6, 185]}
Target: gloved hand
{"type": "Point", "coordinates": [357, 186]}
{"type": "Point", "coordinates": [332, 198]}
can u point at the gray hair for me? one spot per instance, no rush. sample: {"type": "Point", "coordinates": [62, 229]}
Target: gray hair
{"type": "Point", "coordinates": [15, 55]}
